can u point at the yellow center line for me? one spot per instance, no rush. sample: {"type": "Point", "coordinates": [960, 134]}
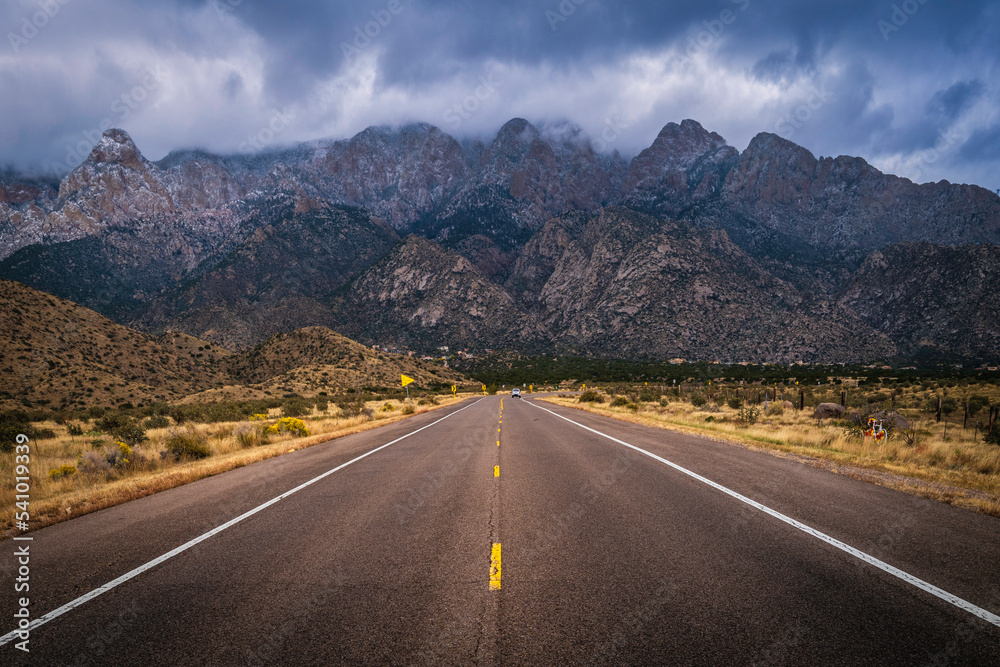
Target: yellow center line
{"type": "Point", "coordinates": [498, 443]}
{"type": "Point", "coordinates": [495, 568]}
{"type": "Point", "coordinates": [496, 471]}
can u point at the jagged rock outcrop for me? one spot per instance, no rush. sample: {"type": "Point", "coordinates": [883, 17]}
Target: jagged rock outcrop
{"type": "Point", "coordinates": [277, 279]}
{"type": "Point", "coordinates": [845, 205]}
{"type": "Point", "coordinates": [685, 164]}
{"type": "Point", "coordinates": [936, 302]}
{"type": "Point", "coordinates": [422, 296]}
{"type": "Point", "coordinates": [638, 286]}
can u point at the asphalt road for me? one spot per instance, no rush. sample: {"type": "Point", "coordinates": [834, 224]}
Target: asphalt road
{"type": "Point", "coordinates": [606, 556]}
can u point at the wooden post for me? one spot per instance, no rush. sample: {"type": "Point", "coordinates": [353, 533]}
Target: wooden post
{"type": "Point", "coordinates": [843, 398]}
{"type": "Point", "coordinates": [965, 422]}
{"type": "Point", "coordinates": [938, 416]}
{"type": "Point", "coordinates": [802, 399]}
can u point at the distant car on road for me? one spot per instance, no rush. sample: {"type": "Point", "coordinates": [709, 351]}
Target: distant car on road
{"type": "Point", "coordinates": [515, 393]}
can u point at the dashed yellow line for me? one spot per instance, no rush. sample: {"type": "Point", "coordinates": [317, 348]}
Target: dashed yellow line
{"type": "Point", "coordinates": [498, 443]}
{"type": "Point", "coordinates": [496, 471]}
{"type": "Point", "coordinates": [495, 568]}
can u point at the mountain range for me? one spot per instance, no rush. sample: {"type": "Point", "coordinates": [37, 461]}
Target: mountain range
{"type": "Point", "coordinates": [530, 241]}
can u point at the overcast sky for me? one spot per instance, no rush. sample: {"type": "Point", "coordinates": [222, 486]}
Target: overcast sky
{"type": "Point", "coordinates": [913, 86]}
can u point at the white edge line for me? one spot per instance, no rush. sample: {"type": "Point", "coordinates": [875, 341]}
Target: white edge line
{"type": "Point", "coordinates": [871, 560]}
{"type": "Point", "coordinates": [69, 606]}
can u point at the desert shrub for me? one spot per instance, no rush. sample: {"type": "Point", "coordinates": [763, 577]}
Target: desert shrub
{"type": "Point", "coordinates": [664, 402]}
{"type": "Point", "coordinates": [112, 421]}
{"type": "Point", "coordinates": [748, 415]}
{"type": "Point", "coordinates": [132, 433]}
{"type": "Point", "coordinates": [62, 471]}
{"type": "Point", "coordinates": [12, 424]}
{"type": "Point", "coordinates": [734, 403]}
{"type": "Point", "coordinates": [977, 402]}
{"type": "Point", "coordinates": [619, 402]}
{"type": "Point", "coordinates": [408, 409]}
{"type": "Point", "coordinates": [647, 395]}
{"type": "Point", "coordinates": [388, 407]}
{"type": "Point", "coordinates": [428, 400]}
{"type": "Point", "coordinates": [93, 463]}
{"type": "Point", "coordinates": [880, 397]}
{"type": "Point", "coordinates": [250, 435]}
{"type": "Point", "coordinates": [43, 433]}
{"type": "Point", "coordinates": [74, 429]}
{"type": "Point", "coordinates": [949, 405]}
{"type": "Point", "coordinates": [296, 427]}
{"type": "Point", "coordinates": [698, 399]}
{"type": "Point", "coordinates": [355, 408]}
{"type": "Point", "coordinates": [590, 396]}
{"type": "Point", "coordinates": [188, 443]}
{"type": "Point", "coordinates": [322, 405]}
{"type": "Point", "coordinates": [122, 427]}
{"type": "Point", "coordinates": [295, 407]}
{"type": "Point", "coordinates": [156, 421]}
{"type": "Point", "coordinates": [775, 410]}
{"type": "Point", "coordinates": [992, 437]}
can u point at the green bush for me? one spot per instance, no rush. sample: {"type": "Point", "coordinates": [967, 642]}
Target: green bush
{"type": "Point", "coordinates": [735, 403]}
{"type": "Point", "coordinates": [698, 399]}
{"type": "Point", "coordinates": [74, 429]}
{"type": "Point", "coordinates": [156, 421]}
{"type": "Point", "coordinates": [619, 402]}
{"type": "Point", "coordinates": [647, 395]}
{"type": "Point", "coordinates": [590, 396]}
{"type": "Point", "coordinates": [992, 437]}
{"type": "Point", "coordinates": [295, 407]}
{"type": "Point", "coordinates": [408, 410]}
{"type": "Point", "coordinates": [977, 403]}
{"type": "Point", "coordinates": [775, 410]}
{"type": "Point", "coordinates": [189, 443]}
{"type": "Point", "coordinates": [748, 415]}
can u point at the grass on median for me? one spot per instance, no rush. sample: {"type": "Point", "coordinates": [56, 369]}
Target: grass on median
{"type": "Point", "coordinates": [104, 473]}
{"type": "Point", "coordinates": [958, 468]}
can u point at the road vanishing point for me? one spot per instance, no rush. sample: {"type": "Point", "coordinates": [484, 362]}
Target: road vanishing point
{"type": "Point", "coordinates": [527, 534]}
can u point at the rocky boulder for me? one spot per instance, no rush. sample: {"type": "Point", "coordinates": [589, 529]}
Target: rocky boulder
{"type": "Point", "coordinates": [828, 411]}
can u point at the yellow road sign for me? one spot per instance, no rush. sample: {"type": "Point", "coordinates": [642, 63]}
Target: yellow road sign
{"type": "Point", "coordinates": [406, 379]}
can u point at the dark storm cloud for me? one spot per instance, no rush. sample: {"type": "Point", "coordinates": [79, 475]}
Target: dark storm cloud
{"type": "Point", "coordinates": [949, 104]}
{"type": "Point", "coordinates": [879, 79]}
{"type": "Point", "coordinates": [983, 145]}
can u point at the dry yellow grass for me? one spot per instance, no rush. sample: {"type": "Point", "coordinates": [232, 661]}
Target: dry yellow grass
{"type": "Point", "coordinates": [961, 470]}
{"type": "Point", "coordinates": [60, 499]}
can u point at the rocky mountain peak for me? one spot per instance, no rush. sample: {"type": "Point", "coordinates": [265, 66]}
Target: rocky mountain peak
{"type": "Point", "coordinates": [681, 146]}
{"type": "Point", "coordinates": [117, 146]}
{"type": "Point", "coordinates": [685, 163]}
